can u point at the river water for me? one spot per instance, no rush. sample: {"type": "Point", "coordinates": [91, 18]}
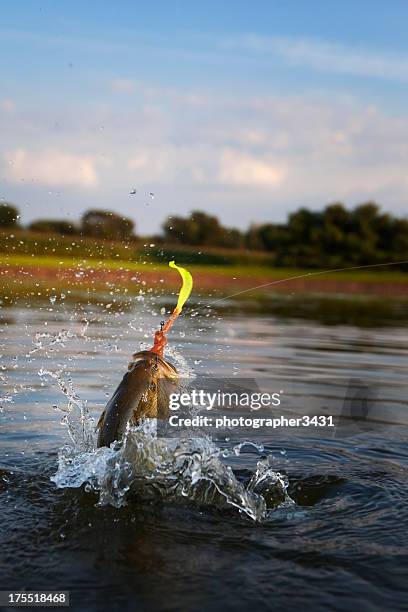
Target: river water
{"type": "Point", "coordinates": [218, 519]}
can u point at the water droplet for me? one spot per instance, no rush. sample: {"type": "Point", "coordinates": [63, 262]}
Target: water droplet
{"type": "Point", "coordinates": [132, 192]}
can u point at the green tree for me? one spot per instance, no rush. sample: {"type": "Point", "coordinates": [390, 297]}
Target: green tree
{"type": "Point", "coordinates": [53, 226]}
{"type": "Point", "coordinates": [303, 225]}
{"type": "Point", "coordinates": [335, 220]}
{"type": "Point", "coordinates": [8, 215]}
{"type": "Point", "coordinates": [398, 239]}
{"type": "Point", "coordinates": [180, 229]}
{"type": "Point", "coordinates": [106, 224]}
{"type": "Point", "coordinates": [363, 240]}
{"type": "Point", "coordinates": [274, 237]}
{"type": "Point", "coordinates": [200, 229]}
{"type": "Point", "coordinates": [252, 238]}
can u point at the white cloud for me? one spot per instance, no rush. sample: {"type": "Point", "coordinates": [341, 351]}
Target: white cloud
{"type": "Point", "coordinates": [123, 85]}
{"type": "Point", "coordinates": [326, 56]}
{"type": "Point", "coordinates": [223, 155]}
{"type": "Point", "coordinates": [237, 168]}
{"type": "Point", "coordinates": [54, 168]}
{"type": "Point", "coordinates": [169, 163]}
{"type": "Point", "coordinates": [152, 163]}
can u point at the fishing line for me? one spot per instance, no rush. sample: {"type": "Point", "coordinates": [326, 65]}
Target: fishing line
{"type": "Point", "coordinates": [308, 275]}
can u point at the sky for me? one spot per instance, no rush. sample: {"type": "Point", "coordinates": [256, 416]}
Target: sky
{"type": "Point", "coordinates": [246, 110]}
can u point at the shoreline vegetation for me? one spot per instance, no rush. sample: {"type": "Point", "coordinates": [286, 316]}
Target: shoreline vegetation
{"type": "Point", "coordinates": [25, 275]}
{"type": "Point", "coordinates": [335, 236]}
{"type": "Point", "coordinates": [101, 254]}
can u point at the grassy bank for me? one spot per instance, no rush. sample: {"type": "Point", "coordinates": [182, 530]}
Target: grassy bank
{"type": "Point", "coordinates": [27, 277]}
{"type": "Point", "coordinates": [226, 272]}
{"type": "Point", "coordinates": [360, 298]}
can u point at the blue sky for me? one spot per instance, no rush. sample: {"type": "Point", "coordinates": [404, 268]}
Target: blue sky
{"type": "Point", "coordinates": [244, 109]}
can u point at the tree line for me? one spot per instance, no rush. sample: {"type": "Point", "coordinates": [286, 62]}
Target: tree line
{"type": "Point", "coordinates": [103, 224]}
{"type": "Point", "coordinates": [333, 237]}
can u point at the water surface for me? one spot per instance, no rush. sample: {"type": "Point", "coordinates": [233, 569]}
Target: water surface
{"type": "Point", "coordinates": [337, 541]}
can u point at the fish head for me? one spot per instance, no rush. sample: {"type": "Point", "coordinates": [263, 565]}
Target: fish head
{"type": "Point", "coordinates": [158, 367]}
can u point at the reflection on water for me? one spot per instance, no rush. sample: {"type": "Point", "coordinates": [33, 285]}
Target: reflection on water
{"type": "Point", "coordinates": [361, 311]}
{"type": "Point", "coordinates": [328, 309]}
{"type": "Point", "coordinates": [341, 540]}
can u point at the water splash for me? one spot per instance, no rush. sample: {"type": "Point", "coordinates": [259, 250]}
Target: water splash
{"type": "Point", "coordinates": [185, 470]}
{"type": "Point", "coordinates": [189, 469]}
{"type": "Point", "coordinates": [76, 418]}
{"type": "Point", "coordinates": [46, 341]}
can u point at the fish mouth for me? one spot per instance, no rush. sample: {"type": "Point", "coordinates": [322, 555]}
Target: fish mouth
{"type": "Point", "coordinates": [164, 368]}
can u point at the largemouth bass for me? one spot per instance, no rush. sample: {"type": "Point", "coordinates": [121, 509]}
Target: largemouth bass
{"type": "Point", "coordinates": [143, 393]}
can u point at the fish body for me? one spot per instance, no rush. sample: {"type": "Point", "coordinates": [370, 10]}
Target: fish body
{"type": "Point", "coordinates": [143, 393]}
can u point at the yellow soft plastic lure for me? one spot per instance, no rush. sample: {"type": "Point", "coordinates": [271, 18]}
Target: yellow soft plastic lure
{"type": "Point", "coordinates": [186, 287]}
{"type": "Point", "coordinates": [160, 339]}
